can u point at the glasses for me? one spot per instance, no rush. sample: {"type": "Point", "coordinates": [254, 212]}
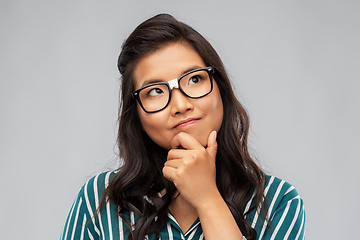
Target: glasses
{"type": "Point", "coordinates": [194, 84]}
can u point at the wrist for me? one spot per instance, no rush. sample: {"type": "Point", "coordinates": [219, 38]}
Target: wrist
{"type": "Point", "coordinates": [213, 201]}
{"type": "Point", "coordinates": [217, 220]}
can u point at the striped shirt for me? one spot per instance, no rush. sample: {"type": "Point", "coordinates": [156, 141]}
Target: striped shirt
{"type": "Point", "coordinates": [285, 213]}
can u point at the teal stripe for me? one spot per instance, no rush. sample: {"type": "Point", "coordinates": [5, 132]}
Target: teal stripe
{"type": "Point", "coordinates": [69, 219]}
{"type": "Point", "coordinates": [287, 215]}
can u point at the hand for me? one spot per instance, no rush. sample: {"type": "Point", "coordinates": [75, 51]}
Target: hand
{"type": "Point", "coordinates": [192, 169]}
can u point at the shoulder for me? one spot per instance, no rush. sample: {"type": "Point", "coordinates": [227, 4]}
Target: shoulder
{"type": "Point", "coordinates": [285, 208]}
{"type": "Point", "coordinates": [81, 219]}
{"type": "Point", "coordinates": [285, 213]}
{"type": "Point", "coordinates": [277, 189]}
{"type": "Point", "coordinates": [92, 190]}
{"type": "Point", "coordinates": [278, 193]}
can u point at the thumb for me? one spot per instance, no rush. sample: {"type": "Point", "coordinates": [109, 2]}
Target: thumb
{"type": "Point", "coordinates": [212, 145]}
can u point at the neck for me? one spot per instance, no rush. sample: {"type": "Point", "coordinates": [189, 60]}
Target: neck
{"type": "Point", "coordinates": [183, 212]}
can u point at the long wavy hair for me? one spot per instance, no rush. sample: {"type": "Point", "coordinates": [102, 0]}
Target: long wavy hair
{"type": "Point", "coordinates": [237, 176]}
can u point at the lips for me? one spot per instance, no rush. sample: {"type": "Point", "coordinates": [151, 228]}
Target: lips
{"type": "Point", "coordinates": [186, 123]}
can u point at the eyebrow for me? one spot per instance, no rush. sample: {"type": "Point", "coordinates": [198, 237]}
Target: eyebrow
{"type": "Point", "coordinates": [148, 82]}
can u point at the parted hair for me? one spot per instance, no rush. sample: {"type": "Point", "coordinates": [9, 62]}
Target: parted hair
{"type": "Point", "coordinates": [238, 177]}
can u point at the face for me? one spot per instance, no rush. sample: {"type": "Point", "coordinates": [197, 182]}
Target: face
{"type": "Point", "coordinates": [198, 117]}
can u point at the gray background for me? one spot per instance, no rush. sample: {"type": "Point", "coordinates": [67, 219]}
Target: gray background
{"type": "Point", "coordinates": [294, 64]}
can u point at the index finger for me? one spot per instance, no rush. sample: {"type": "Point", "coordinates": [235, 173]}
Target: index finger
{"type": "Point", "coordinates": [186, 141]}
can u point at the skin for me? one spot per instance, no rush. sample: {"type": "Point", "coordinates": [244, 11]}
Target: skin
{"type": "Point", "coordinates": [191, 146]}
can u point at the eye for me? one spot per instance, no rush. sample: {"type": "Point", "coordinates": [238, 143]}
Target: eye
{"type": "Point", "coordinates": [194, 79]}
{"type": "Point", "coordinates": [155, 92]}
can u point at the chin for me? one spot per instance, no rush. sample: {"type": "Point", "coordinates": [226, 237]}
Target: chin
{"type": "Point", "coordinates": [202, 139]}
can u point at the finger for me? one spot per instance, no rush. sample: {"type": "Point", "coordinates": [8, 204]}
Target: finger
{"type": "Point", "coordinates": [169, 173]}
{"type": "Point", "coordinates": [173, 163]}
{"type": "Point", "coordinates": [176, 154]}
{"type": "Point", "coordinates": [186, 141]}
{"type": "Point", "coordinates": [212, 145]}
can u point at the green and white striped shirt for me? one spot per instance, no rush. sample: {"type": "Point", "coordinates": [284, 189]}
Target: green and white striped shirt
{"type": "Point", "coordinates": [286, 214]}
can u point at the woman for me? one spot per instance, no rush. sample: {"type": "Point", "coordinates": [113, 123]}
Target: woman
{"type": "Point", "coordinates": [186, 171]}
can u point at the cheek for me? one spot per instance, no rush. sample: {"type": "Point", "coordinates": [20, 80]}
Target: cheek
{"type": "Point", "coordinates": [154, 125]}
{"type": "Point", "coordinates": [147, 123]}
{"type": "Point", "coordinates": [219, 113]}
{"type": "Point", "coordinates": [141, 116]}
{"type": "Point", "coordinates": [217, 108]}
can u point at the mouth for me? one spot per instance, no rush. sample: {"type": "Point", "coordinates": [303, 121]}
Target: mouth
{"type": "Point", "coordinates": [186, 123]}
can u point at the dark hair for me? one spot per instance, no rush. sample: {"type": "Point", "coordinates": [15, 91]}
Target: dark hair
{"type": "Point", "coordinates": [237, 175]}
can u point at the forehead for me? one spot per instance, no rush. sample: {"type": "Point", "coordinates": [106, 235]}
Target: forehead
{"type": "Point", "coordinates": [167, 63]}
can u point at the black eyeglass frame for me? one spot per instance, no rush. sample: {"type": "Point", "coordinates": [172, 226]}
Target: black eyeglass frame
{"type": "Point", "coordinates": [210, 70]}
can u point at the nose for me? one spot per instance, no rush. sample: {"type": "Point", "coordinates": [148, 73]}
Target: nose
{"type": "Point", "coordinates": [179, 102]}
